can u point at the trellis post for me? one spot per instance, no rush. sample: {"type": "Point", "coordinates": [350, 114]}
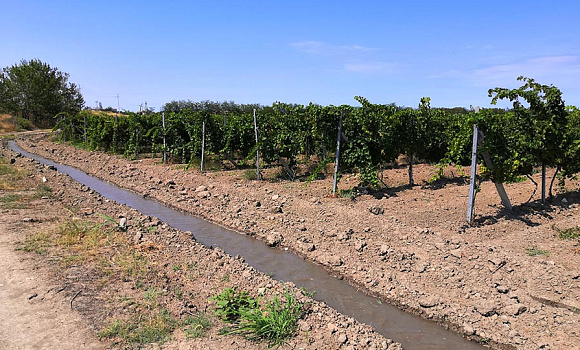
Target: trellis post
{"type": "Point", "coordinates": [164, 154]}
{"type": "Point", "coordinates": [470, 205]}
{"type": "Point", "coordinates": [202, 143]}
{"type": "Point", "coordinates": [337, 156]}
{"type": "Point", "coordinates": [258, 176]}
{"type": "Point", "coordinates": [478, 141]}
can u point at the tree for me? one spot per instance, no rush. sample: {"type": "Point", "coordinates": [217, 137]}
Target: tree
{"type": "Point", "coordinates": [36, 91]}
{"type": "Point", "coordinates": [548, 116]}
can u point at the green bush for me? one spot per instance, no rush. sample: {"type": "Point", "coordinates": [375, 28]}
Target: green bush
{"type": "Point", "coordinates": [23, 124]}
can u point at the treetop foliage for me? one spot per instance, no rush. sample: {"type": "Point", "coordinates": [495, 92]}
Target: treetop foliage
{"type": "Point", "coordinates": [38, 92]}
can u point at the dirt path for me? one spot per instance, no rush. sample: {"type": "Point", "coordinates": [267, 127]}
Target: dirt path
{"type": "Point", "coordinates": [35, 312]}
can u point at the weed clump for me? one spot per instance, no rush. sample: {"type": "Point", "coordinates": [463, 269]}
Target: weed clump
{"type": "Point", "coordinates": [275, 321]}
{"type": "Point", "coordinates": [569, 233]}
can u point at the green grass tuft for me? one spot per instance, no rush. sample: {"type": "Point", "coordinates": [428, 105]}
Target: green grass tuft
{"type": "Point", "coordinates": [275, 322]}
{"type": "Point", "coordinates": [42, 191]}
{"type": "Point", "coordinates": [534, 251]}
{"type": "Point", "coordinates": [138, 330]}
{"type": "Point", "coordinates": [196, 326]}
{"type": "Point", "coordinates": [569, 233]}
{"type": "Point", "coordinates": [38, 243]}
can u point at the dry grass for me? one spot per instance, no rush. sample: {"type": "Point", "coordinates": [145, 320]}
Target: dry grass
{"type": "Point", "coordinates": [6, 123]}
{"type": "Point", "coordinates": [16, 189]}
{"type": "Point", "coordinates": [111, 254]}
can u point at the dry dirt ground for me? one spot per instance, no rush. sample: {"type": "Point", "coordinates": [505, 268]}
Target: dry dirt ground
{"type": "Point", "coordinates": [61, 291]}
{"type": "Point", "coordinates": [509, 279]}
{"type": "Point", "coordinates": [35, 312]}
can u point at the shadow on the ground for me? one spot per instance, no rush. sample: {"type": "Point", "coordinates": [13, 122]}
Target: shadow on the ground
{"type": "Point", "coordinates": [526, 211]}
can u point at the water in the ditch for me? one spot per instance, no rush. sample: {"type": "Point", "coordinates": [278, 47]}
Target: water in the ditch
{"type": "Point", "coordinates": [411, 331]}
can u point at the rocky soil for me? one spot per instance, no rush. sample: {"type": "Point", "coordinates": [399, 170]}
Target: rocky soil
{"type": "Point", "coordinates": [508, 280]}
{"type": "Point", "coordinates": [184, 273]}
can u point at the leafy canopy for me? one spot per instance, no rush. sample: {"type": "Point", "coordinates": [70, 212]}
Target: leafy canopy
{"type": "Point", "coordinates": [36, 91]}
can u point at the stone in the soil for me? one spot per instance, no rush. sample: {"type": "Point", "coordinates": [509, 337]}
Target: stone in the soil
{"type": "Point", "coordinates": [201, 188]}
{"type": "Point", "coordinates": [137, 238]}
{"type": "Point", "coordinates": [428, 302]}
{"type": "Point", "coordinates": [345, 235]}
{"type": "Point", "coordinates": [310, 247]}
{"type": "Point", "coordinates": [502, 289]}
{"type": "Point", "coordinates": [456, 253]}
{"type": "Point", "coordinates": [377, 210]}
{"type": "Point", "coordinates": [274, 239]}
{"type": "Point", "coordinates": [384, 250]}
{"type": "Point", "coordinates": [275, 210]}
{"type": "Point", "coordinates": [468, 329]}
{"type": "Point", "coordinates": [332, 328]}
{"type": "Point", "coordinates": [342, 338]}
{"type": "Point", "coordinates": [334, 260]}
{"type": "Point", "coordinates": [203, 194]}
{"type": "Point", "coordinates": [86, 211]}
{"type": "Point", "coordinates": [514, 309]}
{"type": "Point", "coordinates": [486, 308]}
{"type": "Point", "coordinates": [123, 224]}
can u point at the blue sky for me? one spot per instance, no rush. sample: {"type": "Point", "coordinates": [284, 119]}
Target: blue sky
{"type": "Point", "coordinates": [324, 52]}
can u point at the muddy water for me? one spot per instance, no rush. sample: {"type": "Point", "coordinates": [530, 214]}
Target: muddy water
{"type": "Point", "coordinates": [411, 331]}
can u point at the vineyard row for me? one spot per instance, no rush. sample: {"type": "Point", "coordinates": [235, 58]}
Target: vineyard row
{"type": "Point", "coordinates": [545, 132]}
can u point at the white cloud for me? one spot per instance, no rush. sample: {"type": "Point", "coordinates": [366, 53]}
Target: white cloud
{"type": "Point", "coordinates": [453, 73]}
{"type": "Point", "coordinates": [358, 48]}
{"type": "Point", "coordinates": [372, 67]}
{"type": "Point", "coordinates": [479, 47]}
{"type": "Point", "coordinates": [350, 58]}
{"type": "Point", "coordinates": [546, 67]}
{"type": "Point", "coordinates": [319, 47]}
{"type": "Point", "coordinates": [309, 46]}
{"type": "Point", "coordinates": [545, 70]}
